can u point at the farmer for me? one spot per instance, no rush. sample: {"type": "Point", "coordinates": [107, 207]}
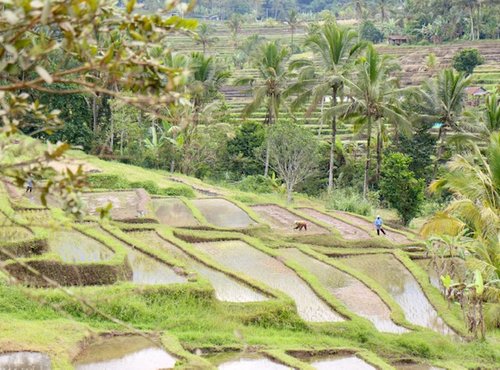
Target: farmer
{"type": "Point", "coordinates": [378, 225]}
{"type": "Point", "coordinates": [29, 187]}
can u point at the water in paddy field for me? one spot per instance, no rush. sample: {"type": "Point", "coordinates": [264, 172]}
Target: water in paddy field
{"type": "Point", "coordinates": [402, 286]}
{"type": "Point", "coordinates": [246, 362]}
{"type": "Point", "coordinates": [391, 235]}
{"type": "Point", "coordinates": [347, 231]}
{"type": "Point", "coordinates": [125, 203]}
{"type": "Point", "coordinates": [455, 268]}
{"type": "Point", "coordinates": [173, 212]}
{"type": "Point", "coordinates": [226, 288]}
{"type": "Point", "coordinates": [74, 247]}
{"type": "Point", "coordinates": [124, 353]}
{"type": "Point", "coordinates": [25, 360]}
{"type": "Point", "coordinates": [341, 362]}
{"type": "Point", "coordinates": [241, 257]}
{"type": "Point", "coordinates": [282, 220]}
{"type": "Point", "coordinates": [222, 213]}
{"type": "Point", "coordinates": [147, 270]}
{"type": "Point", "coordinates": [355, 295]}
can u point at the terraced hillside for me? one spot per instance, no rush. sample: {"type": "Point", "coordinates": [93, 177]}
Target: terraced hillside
{"type": "Point", "coordinates": [217, 278]}
{"type": "Point", "coordinates": [413, 60]}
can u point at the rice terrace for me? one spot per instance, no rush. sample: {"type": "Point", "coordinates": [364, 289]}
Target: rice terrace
{"type": "Point", "coordinates": [279, 184]}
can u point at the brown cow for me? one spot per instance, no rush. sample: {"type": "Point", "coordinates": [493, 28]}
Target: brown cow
{"type": "Point", "coordinates": [299, 225]}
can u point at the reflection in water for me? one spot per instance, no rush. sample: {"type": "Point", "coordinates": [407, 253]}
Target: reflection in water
{"type": "Point", "coordinates": [220, 212]}
{"type": "Point", "coordinates": [402, 286]}
{"type": "Point", "coordinates": [226, 288]}
{"type": "Point", "coordinates": [25, 361]}
{"type": "Point", "coordinates": [124, 353]}
{"type": "Point", "coordinates": [74, 247]}
{"type": "Point", "coordinates": [251, 362]}
{"type": "Point", "coordinates": [147, 270]}
{"type": "Point", "coordinates": [173, 212]}
{"type": "Point", "coordinates": [341, 363]}
{"type": "Point", "coordinates": [354, 294]}
{"type": "Point", "coordinates": [455, 267]}
{"type": "Point", "coordinates": [241, 257]}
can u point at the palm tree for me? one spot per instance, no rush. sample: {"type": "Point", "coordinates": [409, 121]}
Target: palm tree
{"type": "Point", "coordinates": [443, 98]}
{"type": "Point", "coordinates": [208, 76]}
{"type": "Point", "coordinates": [269, 88]}
{"type": "Point", "coordinates": [373, 97]}
{"type": "Point", "coordinates": [293, 21]}
{"type": "Point", "coordinates": [336, 48]}
{"type": "Point", "coordinates": [204, 36]}
{"type": "Point", "coordinates": [474, 180]}
{"type": "Point", "coordinates": [234, 24]}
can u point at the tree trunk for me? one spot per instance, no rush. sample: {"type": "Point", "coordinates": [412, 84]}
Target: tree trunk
{"type": "Point", "coordinates": [439, 149]}
{"type": "Point", "coordinates": [368, 158]}
{"type": "Point", "coordinates": [379, 151]}
{"type": "Point", "coordinates": [289, 192]}
{"type": "Point", "coordinates": [95, 113]}
{"type": "Point", "coordinates": [332, 146]}
{"type": "Point", "coordinates": [172, 166]}
{"type": "Point", "coordinates": [266, 165]}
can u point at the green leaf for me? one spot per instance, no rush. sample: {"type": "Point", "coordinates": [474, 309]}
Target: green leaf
{"type": "Point", "coordinates": [478, 282]}
{"type": "Point", "coordinates": [446, 280]}
{"type": "Point", "coordinates": [130, 6]}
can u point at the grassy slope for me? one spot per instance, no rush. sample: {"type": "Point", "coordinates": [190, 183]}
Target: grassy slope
{"type": "Point", "coordinates": [188, 313]}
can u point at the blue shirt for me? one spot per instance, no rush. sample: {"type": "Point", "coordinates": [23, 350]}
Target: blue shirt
{"type": "Point", "coordinates": [378, 222]}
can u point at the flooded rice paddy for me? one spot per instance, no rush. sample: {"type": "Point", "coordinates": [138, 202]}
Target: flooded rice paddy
{"type": "Point", "coordinates": [347, 231]}
{"type": "Point", "coordinates": [355, 295]}
{"type": "Point", "coordinates": [25, 361]}
{"type": "Point", "coordinates": [149, 271]}
{"type": "Point", "coordinates": [402, 286]}
{"type": "Point", "coordinates": [455, 267]}
{"type": "Point", "coordinates": [226, 288]}
{"type": "Point", "coordinates": [244, 361]}
{"type": "Point", "coordinates": [241, 257]}
{"type": "Point", "coordinates": [124, 353]}
{"type": "Point", "coordinates": [222, 213]}
{"type": "Point", "coordinates": [173, 212]}
{"type": "Point", "coordinates": [282, 220]}
{"type": "Point", "coordinates": [126, 204]}
{"type": "Point", "coordinates": [367, 225]}
{"type": "Point", "coordinates": [341, 362]}
{"type": "Point", "coordinates": [74, 247]}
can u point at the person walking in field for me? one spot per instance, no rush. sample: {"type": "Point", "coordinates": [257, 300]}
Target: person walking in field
{"type": "Point", "coordinates": [29, 187]}
{"type": "Point", "coordinates": [378, 225]}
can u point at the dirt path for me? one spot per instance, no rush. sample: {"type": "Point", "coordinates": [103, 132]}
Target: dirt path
{"type": "Point", "coordinates": [347, 231]}
{"type": "Point", "coordinates": [391, 235]}
{"type": "Point", "coordinates": [283, 220]}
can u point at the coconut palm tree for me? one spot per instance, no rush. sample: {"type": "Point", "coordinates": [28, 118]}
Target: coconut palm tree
{"type": "Point", "coordinates": [207, 77]}
{"type": "Point", "coordinates": [443, 99]}
{"type": "Point", "coordinates": [336, 49]}
{"type": "Point", "coordinates": [373, 96]}
{"type": "Point", "coordinates": [293, 21]}
{"type": "Point", "coordinates": [270, 86]}
{"type": "Point", "coordinates": [204, 36]}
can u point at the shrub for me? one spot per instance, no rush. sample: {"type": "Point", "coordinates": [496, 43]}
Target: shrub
{"type": "Point", "coordinates": [400, 188]}
{"type": "Point", "coordinates": [258, 184]}
{"type": "Point", "coordinates": [466, 60]}
{"type": "Point", "coordinates": [371, 33]}
{"type": "Point", "coordinates": [106, 181]}
{"type": "Point", "coordinates": [177, 191]}
{"type": "Point", "coordinates": [348, 200]}
{"type": "Point", "coordinates": [150, 186]}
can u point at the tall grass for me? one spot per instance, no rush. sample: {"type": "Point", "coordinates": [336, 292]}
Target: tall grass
{"type": "Point", "coordinates": [349, 200]}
